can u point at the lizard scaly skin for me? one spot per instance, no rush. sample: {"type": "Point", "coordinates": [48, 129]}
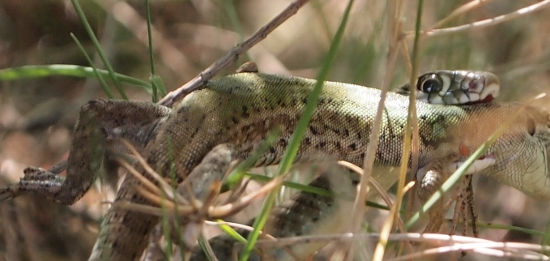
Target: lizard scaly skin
{"type": "Point", "coordinates": [242, 109]}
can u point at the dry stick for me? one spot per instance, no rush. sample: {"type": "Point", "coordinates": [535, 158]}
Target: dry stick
{"type": "Point", "coordinates": [429, 238]}
{"type": "Point", "coordinates": [394, 40]}
{"type": "Point", "coordinates": [200, 80]}
{"type": "Point", "coordinates": [488, 249]}
{"type": "Point", "coordinates": [459, 11]}
{"type": "Point", "coordinates": [486, 22]}
{"type": "Point", "coordinates": [446, 243]}
{"type": "Point", "coordinates": [368, 161]}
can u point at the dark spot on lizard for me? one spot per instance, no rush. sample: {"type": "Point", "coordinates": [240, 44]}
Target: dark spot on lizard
{"type": "Point", "coordinates": [353, 146]}
{"type": "Point", "coordinates": [283, 143]}
{"type": "Point", "coordinates": [379, 154]}
{"type": "Point", "coordinates": [234, 120]}
{"type": "Point", "coordinates": [307, 141]}
{"type": "Point", "coordinates": [304, 100]}
{"type": "Point", "coordinates": [272, 150]}
{"type": "Point", "coordinates": [322, 144]}
{"type": "Point", "coordinates": [195, 131]}
{"type": "Point", "coordinates": [281, 104]}
{"type": "Point", "coordinates": [313, 130]}
{"type": "Point", "coordinates": [245, 111]}
{"type": "Point", "coordinates": [261, 161]}
{"type": "Point", "coordinates": [293, 102]}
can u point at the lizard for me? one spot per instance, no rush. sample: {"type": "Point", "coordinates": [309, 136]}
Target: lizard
{"type": "Point", "coordinates": [308, 213]}
{"type": "Point", "coordinates": [241, 109]}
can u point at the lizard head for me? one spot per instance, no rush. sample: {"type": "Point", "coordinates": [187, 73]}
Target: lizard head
{"type": "Point", "coordinates": [522, 152]}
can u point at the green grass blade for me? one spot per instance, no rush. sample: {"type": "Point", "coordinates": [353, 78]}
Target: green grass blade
{"type": "Point", "coordinates": [238, 172]}
{"type": "Point", "coordinates": [155, 80]}
{"type": "Point", "coordinates": [97, 45]}
{"type": "Point", "coordinates": [38, 71]}
{"type": "Point", "coordinates": [230, 231]}
{"type": "Point", "coordinates": [298, 134]}
{"type": "Point", "coordinates": [102, 82]}
{"type": "Point", "coordinates": [158, 87]}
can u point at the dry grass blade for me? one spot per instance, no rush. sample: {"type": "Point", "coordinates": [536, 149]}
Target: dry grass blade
{"type": "Point", "coordinates": [368, 161]}
{"type": "Point", "coordinates": [160, 197]}
{"type": "Point", "coordinates": [486, 248]}
{"type": "Point", "coordinates": [379, 189]}
{"type": "Point", "coordinates": [238, 191]}
{"type": "Point", "coordinates": [229, 209]}
{"type": "Point", "coordinates": [151, 210]}
{"type": "Point", "coordinates": [162, 184]}
{"type": "Point", "coordinates": [146, 183]}
{"type": "Point", "coordinates": [213, 191]}
{"type": "Point", "coordinates": [451, 244]}
{"type": "Point", "coordinates": [411, 131]}
{"type": "Point", "coordinates": [166, 203]}
{"type": "Point", "coordinates": [460, 10]}
{"type": "Point", "coordinates": [486, 22]}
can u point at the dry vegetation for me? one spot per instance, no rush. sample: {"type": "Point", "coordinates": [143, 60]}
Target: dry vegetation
{"type": "Point", "coordinates": [36, 115]}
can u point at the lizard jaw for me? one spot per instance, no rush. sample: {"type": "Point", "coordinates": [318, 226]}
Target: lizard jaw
{"type": "Point", "coordinates": [478, 165]}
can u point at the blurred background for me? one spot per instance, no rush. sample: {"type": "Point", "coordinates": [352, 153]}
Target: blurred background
{"type": "Point", "coordinates": [37, 115]}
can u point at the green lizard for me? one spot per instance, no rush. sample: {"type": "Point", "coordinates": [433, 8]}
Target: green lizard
{"type": "Point", "coordinates": [241, 109]}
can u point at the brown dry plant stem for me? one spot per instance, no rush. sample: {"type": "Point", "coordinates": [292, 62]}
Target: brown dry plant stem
{"type": "Point", "coordinates": [199, 80]}
{"type": "Point", "coordinates": [487, 22]}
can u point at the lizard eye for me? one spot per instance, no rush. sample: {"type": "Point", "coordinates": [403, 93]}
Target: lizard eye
{"type": "Point", "coordinates": [429, 83]}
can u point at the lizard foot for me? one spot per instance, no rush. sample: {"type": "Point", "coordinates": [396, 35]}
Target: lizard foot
{"type": "Point", "coordinates": [35, 179]}
{"type": "Point", "coordinates": [464, 208]}
{"type": "Point", "coordinates": [431, 178]}
{"type": "Point", "coordinates": [34, 175]}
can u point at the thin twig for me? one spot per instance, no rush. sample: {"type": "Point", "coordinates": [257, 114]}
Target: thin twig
{"type": "Point", "coordinates": [368, 162]}
{"type": "Point", "coordinates": [458, 11]}
{"type": "Point", "coordinates": [200, 80]}
{"type": "Point", "coordinates": [486, 22]}
{"type": "Point", "coordinates": [446, 244]}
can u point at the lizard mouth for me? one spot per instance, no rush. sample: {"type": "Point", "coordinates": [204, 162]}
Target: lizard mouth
{"type": "Point", "coordinates": [478, 165]}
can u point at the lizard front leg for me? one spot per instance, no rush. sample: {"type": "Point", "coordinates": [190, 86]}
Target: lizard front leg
{"type": "Point", "coordinates": [97, 122]}
{"type": "Point", "coordinates": [431, 178]}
